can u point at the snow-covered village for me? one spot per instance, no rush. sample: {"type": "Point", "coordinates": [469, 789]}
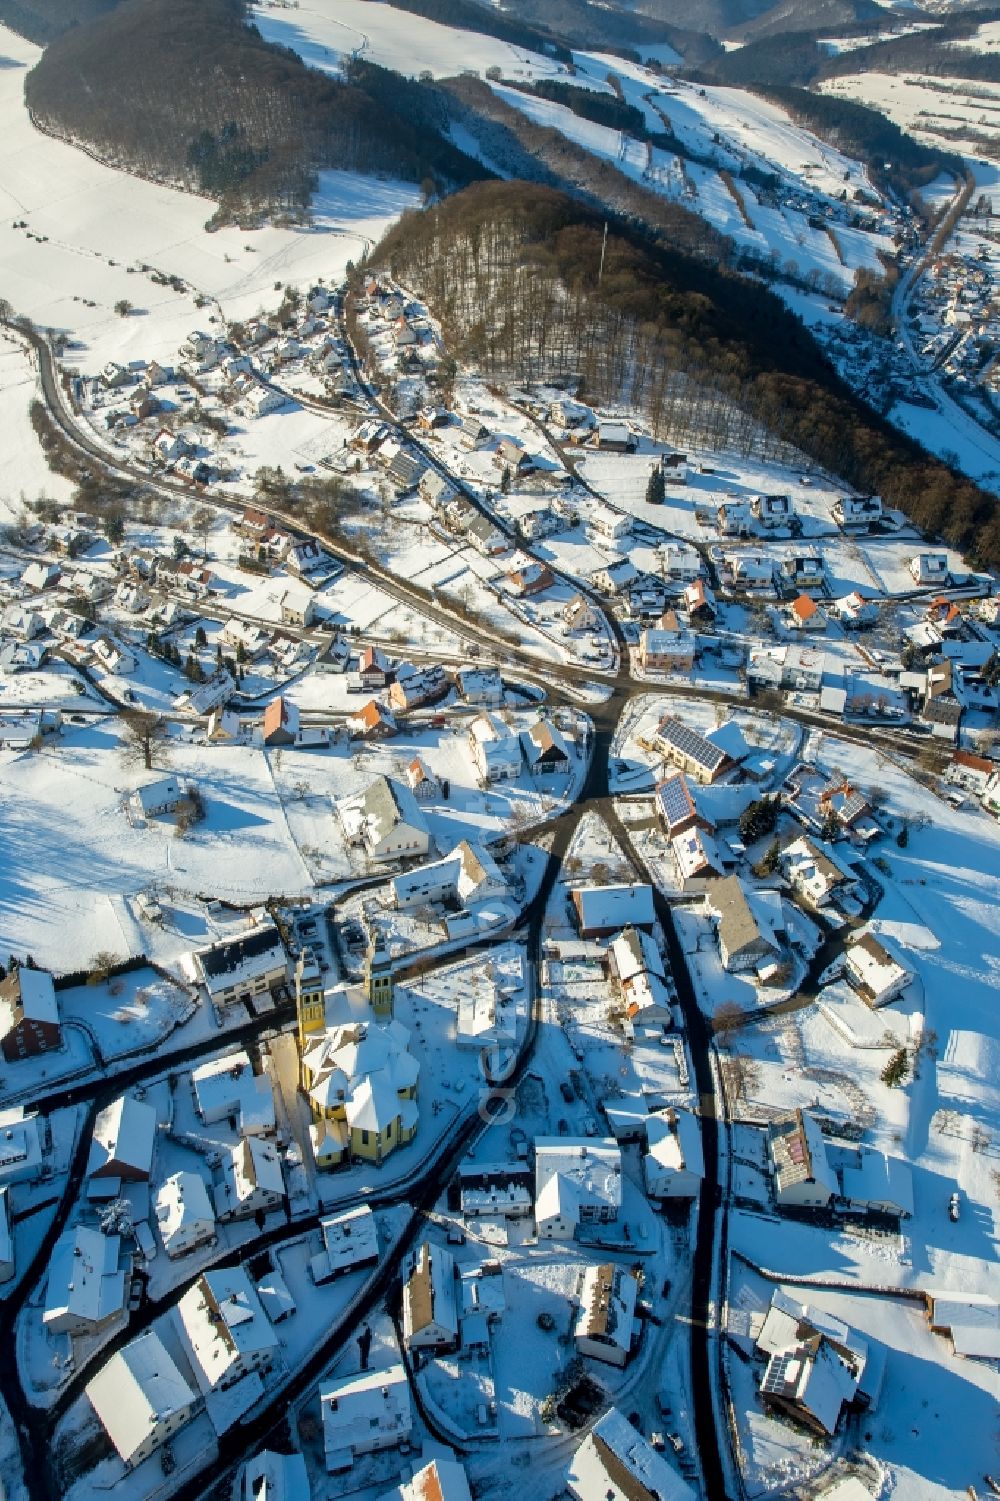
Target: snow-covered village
{"type": "Point", "coordinates": [499, 938]}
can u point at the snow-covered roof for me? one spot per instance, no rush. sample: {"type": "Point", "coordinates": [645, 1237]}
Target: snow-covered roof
{"type": "Point", "coordinates": [349, 1240]}
{"type": "Point", "coordinates": [235, 961]}
{"type": "Point", "coordinates": [604, 908]}
{"type": "Point", "coordinates": [137, 1390]}
{"type": "Point", "coordinates": [21, 1153]}
{"type": "Point", "coordinates": [972, 1320]}
{"type": "Point", "coordinates": [124, 1137]}
{"type": "Point", "coordinates": [224, 1323]}
{"type": "Point", "coordinates": [86, 1283]}
{"type": "Point", "coordinates": [615, 1463]}
{"type": "Point", "coordinates": [607, 1306]}
{"type": "Point", "coordinates": [571, 1174]}
{"type": "Point", "coordinates": [182, 1203]}
{"type": "Point", "coordinates": [673, 1138]}
{"type": "Point", "coordinates": [228, 1086]}
{"type": "Point", "coordinates": [430, 1294]}
{"type": "Point", "coordinates": [270, 1476]}
{"type": "Point", "coordinates": [27, 994]}
{"type": "Point", "coordinates": [812, 1378]}
{"type": "Point", "coordinates": [355, 1407]}
{"type": "Point", "coordinates": [880, 1180]}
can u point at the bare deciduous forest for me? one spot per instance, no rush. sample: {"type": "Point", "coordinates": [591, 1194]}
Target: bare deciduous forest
{"type": "Point", "coordinates": [512, 271]}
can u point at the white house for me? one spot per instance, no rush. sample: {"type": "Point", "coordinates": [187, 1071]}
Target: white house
{"type": "Point", "coordinates": [363, 1414]}
{"type": "Point", "coordinates": [636, 963]}
{"type": "Point", "coordinates": [270, 1476]}
{"type": "Point", "coordinates": [615, 1463]}
{"type": "Point", "coordinates": [495, 749]}
{"type": "Point", "coordinates": [250, 1180]}
{"type": "Point", "coordinates": [606, 1317]}
{"type": "Point", "coordinates": [577, 1182]}
{"type": "Point", "coordinates": [88, 1282]}
{"type": "Point", "coordinates": [141, 1398]}
{"type": "Point", "coordinates": [674, 1164]}
{"type": "Point", "coordinates": [929, 568]}
{"type": "Point", "coordinates": [430, 1305]}
{"type": "Point", "coordinates": [227, 1086]}
{"type": "Point", "coordinates": [439, 1480]}
{"type": "Point", "coordinates": [237, 969]}
{"type": "Point", "coordinates": [121, 1150]}
{"type": "Point", "coordinates": [814, 871]}
{"type": "Point", "coordinates": [22, 1145]}
{"type": "Point", "coordinates": [386, 820]}
{"type": "Point", "coordinates": [184, 1214]}
{"type": "Point", "coordinates": [162, 796]}
{"type": "Point", "coordinates": [227, 1332]}
{"type": "Point", "coordinates": [876, 974]}
{"type": "Point", "coordinates": [803, 1177]}
{"type": "Point", "coordinates": [350, 1241]}
{"type": "Point", "coordinates": [879, 1182]}
{"type": "Point", "coordinates": [603, 910]}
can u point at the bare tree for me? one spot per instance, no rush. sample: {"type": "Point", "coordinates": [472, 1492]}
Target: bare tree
{"type": "Point", "coordinates": [727, 1018]}
{"type": "Point", "coordinates": [141, 728]}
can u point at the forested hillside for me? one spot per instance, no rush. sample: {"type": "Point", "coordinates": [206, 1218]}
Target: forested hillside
{"type": "Point", "coordinates": [511, 270]}
{"type": "Point", "coordinates": [185, 90]}
{"type": "Point", "coordinates": [41, 20]}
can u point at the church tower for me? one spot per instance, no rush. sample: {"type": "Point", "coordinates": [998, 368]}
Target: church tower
{"type": "Point", "coordinates": [378, 974]}
{"type": "Point", "coordinates": [310, 1002]}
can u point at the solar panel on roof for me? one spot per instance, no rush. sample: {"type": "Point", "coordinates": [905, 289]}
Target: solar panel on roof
{"type": "Point", "coordinates": [691, 744]}
{"type": "Point", "coordinates": [675, 800]}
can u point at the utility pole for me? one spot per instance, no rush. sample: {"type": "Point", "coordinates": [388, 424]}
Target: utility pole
{"type": "Point", "coordinates": [604, 246]}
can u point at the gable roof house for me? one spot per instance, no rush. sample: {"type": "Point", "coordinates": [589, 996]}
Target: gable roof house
{"type": "Point", "coordinates": [88, 1282]}
{"type": "Point", "coordinates": [430, 1305]}
{"type": "Point", "coordinates": [875, 973]}
{"type": "Point", "coordinates": [603, 910]}
{"type": "Point", "coordinates": [803, 1177]}
{"type": "Point", "coordinates": [804, 614]}
{"type": "Point", "coordinates": [694, 753]}
{"type": "Point", "coordinates": [365, 1413]}
{"type": "Point", "coordinates": [184, 1214]}
{"type": "Point", "coordinates": [29, 1014]}
{"type": "Point", "coordinates": [250, 1180]}
{"type": "Point", "coordinates": [281, 722]}
{"type": "Point", "coordinates": [237, 969]}
{"type": "Point", "coordinates": [386, 820]}
{"type": "Point", "coordinates": [743, 944]}
{"type": "Point", "coordinates": [350, 1242]}
{"type": "Point", "coordinates": [674, 1164]}
{"type": "Point", "coordinates": [576, 1183]}
{"type": "Point", "coordinates": [605, 1321]}
{"type": "Point", "coordinates": [815, 873]}
{"type": "Point", "coordinates": [545, 750]}
{"type": "Point", "coordinates": [121, 1150]}
{"type": "Point", "coordinates": [495, 749]}
{"type": "Point", "coordinates": [615, 1463]}
{"type": "Point", "coordinates": [227, 1333]}
{"type": "Point", "coordinates": [141, 1398]}
{"type": "Point", "coordinates": [636, 963]}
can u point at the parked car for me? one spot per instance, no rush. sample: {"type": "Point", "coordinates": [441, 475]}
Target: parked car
{"type": "Point", "coordinates": [954, 1206]}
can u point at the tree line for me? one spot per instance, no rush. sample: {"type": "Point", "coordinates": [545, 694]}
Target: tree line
{"type": "Point", "coordinates": [511, 269]}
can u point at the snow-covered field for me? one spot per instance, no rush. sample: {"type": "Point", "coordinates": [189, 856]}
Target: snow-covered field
{"type": "Point", "coordinates": [324, 32]}
{"type": "Point", "coordinates": [91, 229]}
{"type": "Point", "coordinates": [954, 113]}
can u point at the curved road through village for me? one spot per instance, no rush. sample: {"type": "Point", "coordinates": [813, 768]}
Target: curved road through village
{"type": "Point", "coordinates": [34, 1426]}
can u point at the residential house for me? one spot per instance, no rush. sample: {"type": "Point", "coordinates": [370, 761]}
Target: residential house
{"type": "Point", "coordinates": [405, 470]}
{"type": "Point", "coordinates": [577, 1183]}
{"type": "Point", "coordinates": [422, 783]}
{"type": "Point", "coordinates": [636, 965]}
{"type": "Point", "coordinates": [810, 1383]}
{"type": "Point", "coordinates": [155, 799]}
{"type": "Point", "coordinates": [580, 615]}
{"type": "Point", "coordinates": [803, 1176]}
{"type": "Point", "coordinates": [857, 510]}
{"type": "Point", "coordinates": [29, 1014]}
{"type": "Point", "coordinates": [281, 722]}
{"type": "Point", "coordinates": [695, 754]}
{"type": "Point", "coordinates": [667, 648]}
{"type": "Point", "coordinates": [743, 943]}
{"type": "Point", "coordinates": [682, 564]}
{"type": "Point", "coordinates": [373, 668]}
{"type": "Point", "coordinates": [88, 1282]}
{"type": "Point", "coordinates": [929, 568]}
{"type": "Point", "coordinates": [616, 1463]}
{"type": "Point", "coordinates": [41, 575]}
{"type": "Point", "coordinates": [386, 821]}
{"type": "Point", "coordinates": [875, 973]}
{"type": "Point", "coordinates": [614, 437]}
{"type": "Point", "coordinates": [480, 685]}
{"type": "Point", "coordinates": [184, 1214]}
{"type": "Point", "coordinates": [237, 969]}
{"type": "Point", "coordinates": [511, 456]}
{"type": "Point", "coordinates": [854, 611]}
{"type": "Point", "coordinates": [494, 748]}
{"type": "Point", "coordinates": [430, 1304]}
{"type": "Point", "coordinates": [815, 873]}
{"type": "Point", "coordinates": [876, 1182]}
{"type": "Point", "coordinates": [415, 687]}
{"type": "Point", "coordinates": [804, 614]}
{"type": "Point", "coordinates": [364, 1414]}
{"type": "Point", "coordinates": [675, 806]}
{"type": "Point", "coordinates": [605, 1325]}
{"type": "Point", "coordinates": [372, 722]}
{"type": "Point", "coordinates": [802, 568]}
{"type": "Point", "coordinates": [616, 577]}
{"type": "Point", "coordinates": [121, 1150]}
{"type": "Point", "coordinates": [772, 511]}
{"type": "Point", "coordinates": [529, 578]}
{"type": "Point", "coordinates": [23, 1145]}
{"type": "Point", "coordinates": [435, 489]}
{"type": "Point", "coordinates": [605, 524]}
{"type": "Point", "coordinates": [250, 1180]}
{"type": "Point", "coordinates": [270, 1476]}
{"type": "Point", "coordinates": [471, 431]}
{"type": "Point", "coordinates": [114, 658]}
{"type": "Point", "coordinates": [141, 1398]}
{"type": "Point", "coordinates": [227, 1333]}
{"type": "Point", "coordinates": [674, 1163]}
{"type": "Point", "coordinates": [603, 910]}
{"type": "Point", "coordinates": [545, 750]}
{"type": "Point", "coordinates": [698, 857]}
{"type": "Point", "coordinates": [748, 571]}
{"type": "Point", "coordinates": [485, 536]}
{"type": "Point", "coordinates": [298, 607]}
{"type": "Point", "coordinates": [226, 1088]}
{"type": "Point", "coordinates": [797, 667]}
{"type": "Point", "coordinates": [966, 770]}
{"type": "Point", "coordinates": [350, 1242]}
{"type": "Point", "coordinates": [971, 1321]}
